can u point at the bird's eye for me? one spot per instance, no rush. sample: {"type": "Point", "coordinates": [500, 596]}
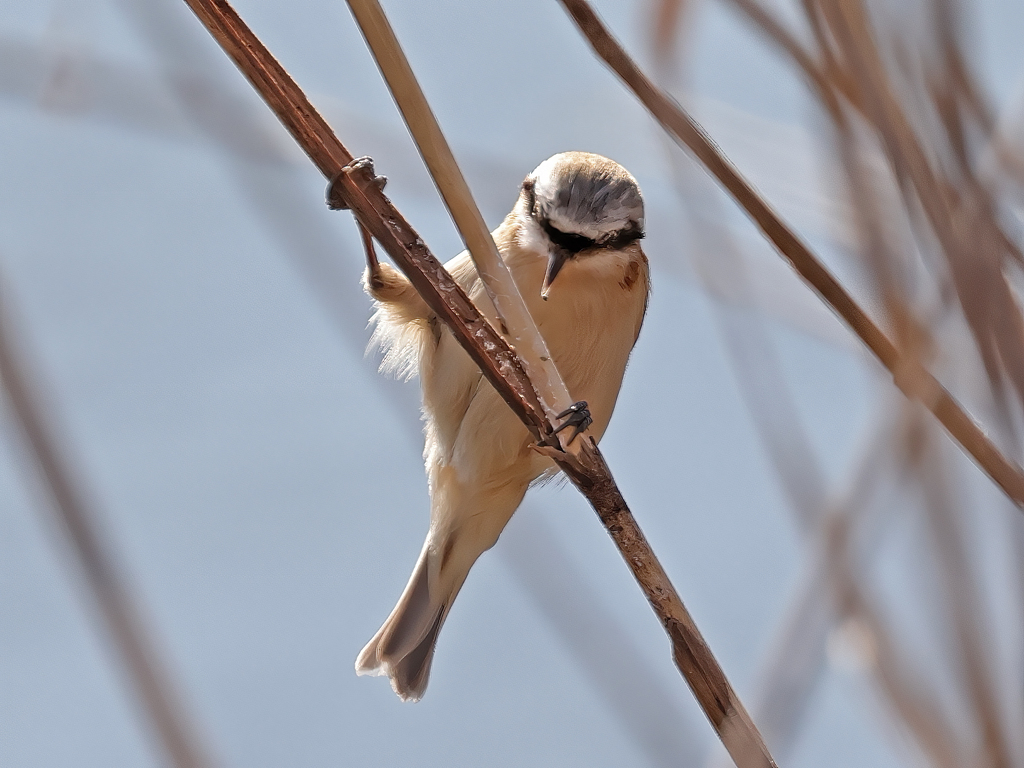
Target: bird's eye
{"type": "Point", "coordinates": [569, 241]}
{"type": "Point", "coordinates": [624, 237]}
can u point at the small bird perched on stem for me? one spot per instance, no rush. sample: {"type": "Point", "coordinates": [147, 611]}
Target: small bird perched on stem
{"type": "Point", "coordinates": [572, 244]}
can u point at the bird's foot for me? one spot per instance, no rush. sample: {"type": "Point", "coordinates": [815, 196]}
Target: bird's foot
{"type": "Point", "coordinates": [576, 416]}
{"type": "Point", "coordinates": [360, 167]}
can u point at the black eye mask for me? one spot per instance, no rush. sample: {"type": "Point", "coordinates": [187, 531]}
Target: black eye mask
{"type": "Point", "coordinates": [568, 241]}
{"type": "Point", "coordinates": [572, 242]}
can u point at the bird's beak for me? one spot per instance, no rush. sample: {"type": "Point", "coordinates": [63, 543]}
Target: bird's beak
{"type": "Point", "coordinates": [556, 259]}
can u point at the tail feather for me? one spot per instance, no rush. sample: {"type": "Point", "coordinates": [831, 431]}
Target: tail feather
{"type": "Point", "coordinates": [403, 648]}
{"type": "Point", "coordinates": [409, 677]}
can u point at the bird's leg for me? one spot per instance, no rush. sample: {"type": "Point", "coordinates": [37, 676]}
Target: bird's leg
{"type": "Point", "coordinates": [374, 279]}
{"type": "Point", "coordinates": [386, 284]}
{"type": "Point", "coordinates": [361, 170]}
{"type": "Point", "coordinates": [576, 416]}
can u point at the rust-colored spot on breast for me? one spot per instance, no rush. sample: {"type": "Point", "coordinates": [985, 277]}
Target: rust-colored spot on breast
{"type": "Point", "coordinates": [630, 275]}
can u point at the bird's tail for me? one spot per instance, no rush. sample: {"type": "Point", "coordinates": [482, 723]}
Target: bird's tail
{"type": "Point", "coordinates": [403, 648]}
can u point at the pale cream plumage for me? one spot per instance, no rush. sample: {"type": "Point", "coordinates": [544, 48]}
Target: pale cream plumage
{"type": "Point", "coordinates": [478, 457]}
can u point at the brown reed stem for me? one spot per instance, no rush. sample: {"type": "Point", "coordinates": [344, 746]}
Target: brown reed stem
{"type": "Point", "coordinates": [909, 375]}
{"type": "Point", "coordinates": [355, 185]}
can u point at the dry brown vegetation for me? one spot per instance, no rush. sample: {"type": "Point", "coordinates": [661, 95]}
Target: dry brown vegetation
{"type": "Point", "coordinates": [932, 185]}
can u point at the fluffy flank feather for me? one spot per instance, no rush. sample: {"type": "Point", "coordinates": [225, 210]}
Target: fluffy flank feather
{"type": "Point", "coordinates": [401, 323]}
{"type": "Point", "coordinates": [399, 341]}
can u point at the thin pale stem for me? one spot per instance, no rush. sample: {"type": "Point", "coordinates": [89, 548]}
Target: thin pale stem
{"type": "Point", "coordinates": [516, 322]}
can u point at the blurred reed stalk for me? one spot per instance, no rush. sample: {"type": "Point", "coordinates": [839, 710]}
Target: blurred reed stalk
{"type": "Point", "coordinates": [932, 233]}
{"type": "Point", "coordinates": [142, 663]}
{"type": "Point", "coordinates": [908, 374]}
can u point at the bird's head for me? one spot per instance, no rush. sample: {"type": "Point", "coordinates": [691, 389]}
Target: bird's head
{"type": "Point", "coordinates": [583, 204]}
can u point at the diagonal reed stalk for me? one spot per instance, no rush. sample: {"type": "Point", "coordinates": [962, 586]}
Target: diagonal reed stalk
{"type": "Point", "coordinates": [515, 320]}
{"type": "Point", "coordinates": [971, 629]}
{"type": "Point", "coordinates": [916, 382]}
{"type": "Point", "coordinates": [355, 183]}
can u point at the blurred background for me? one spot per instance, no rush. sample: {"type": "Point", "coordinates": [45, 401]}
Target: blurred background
{"type": "Point", "coordinates": [183, 331]}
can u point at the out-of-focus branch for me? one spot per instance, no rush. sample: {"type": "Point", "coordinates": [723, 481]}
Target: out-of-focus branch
{"type": "Point", "coordinates": [955, 91]}
{"type": "Point", "coordinates": [359, 190]}
{"type": "Point", "coordinates": [971, 240]}
{"type": "Point", "coordinates": [788, 674]}
{"type": "Point", "coordinates": [905, 692]}
{"type": "Point", "coordinates": [911, 378]}
{"type": "Point", "coordinates": [773, 29]}
{"type": "Point", "coordinates": [797, 657]}
{"type": "Point", "coordinates": [949, 127]}
{"type": "Point", "coordinates": [964, 599]}
{"type": "Point", "coordinates": [636, 693]}
{"type": "Point", "coordinates": [123, 620]}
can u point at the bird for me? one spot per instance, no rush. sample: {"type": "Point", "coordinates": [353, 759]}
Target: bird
{"type": "Point", "coordinates": [572, 245]}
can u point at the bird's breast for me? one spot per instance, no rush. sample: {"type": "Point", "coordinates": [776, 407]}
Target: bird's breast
{"type": "Point", "coordinates": [590, 322]}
